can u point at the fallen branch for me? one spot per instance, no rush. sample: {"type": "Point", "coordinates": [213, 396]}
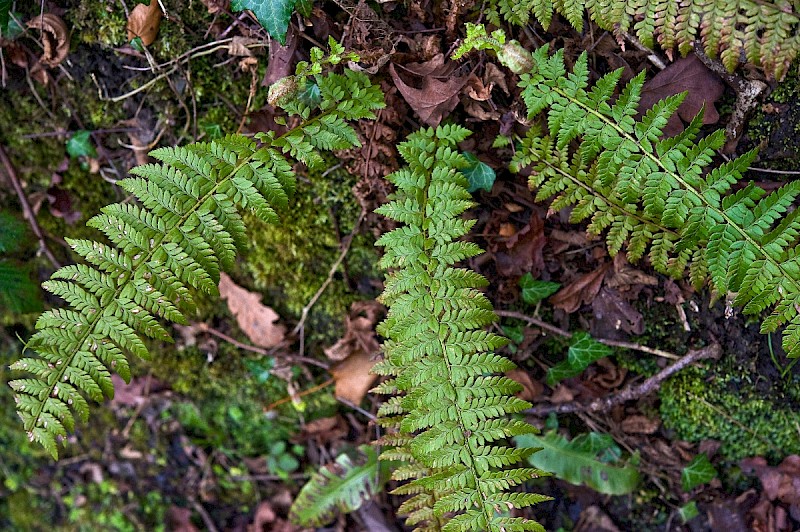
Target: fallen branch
{"type": "Point", "coordinates": [630, 393]}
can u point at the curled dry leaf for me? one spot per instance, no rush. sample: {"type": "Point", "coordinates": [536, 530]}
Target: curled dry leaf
{"type": "Point", "coordinates": [144, 21]}
{"type": "Point", "coordinates": [255, 319]}
{"type": "Point", "coordinates": [55, 38]}
{"type": "Point", "coordinates": [432, 91]}
{"type": "Point", "coordinates": [702, 86]}
{"type": "Point", "coordinates": [531, 389]}
{"type": "Point", "coordinates": [580, 291]}
{"type": "Point", "coordinates": [353, 378]}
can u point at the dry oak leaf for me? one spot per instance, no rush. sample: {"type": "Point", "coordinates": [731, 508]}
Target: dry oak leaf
{"type": "Point", "coordinates": [353, 378]}
{"type": "Point", "coordinates": [55, 38]}
{"type": "Point", "coordinates": [433, 93]}
{"type": "Point", "coordinates": [144, 21]}
{"type": "Point", "coordinates": [359, 331]}
{"type": "Point", "coordinates": [256, 320]}
{"type": "Point", "coordinates": [580, 291]}
{"type": "Point", "coordinates": [689, 74]}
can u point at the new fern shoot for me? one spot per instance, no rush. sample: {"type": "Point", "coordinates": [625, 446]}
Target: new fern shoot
{"type": "Point", "coordinates": [450, 414]}
{"type": "Point", "coordinates": [185, 228]}
{"type": "Point", "coordinates": [656, 195]}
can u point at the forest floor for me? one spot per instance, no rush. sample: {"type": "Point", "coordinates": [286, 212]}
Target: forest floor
{"type": "Point", "coordinates": [222, 429]}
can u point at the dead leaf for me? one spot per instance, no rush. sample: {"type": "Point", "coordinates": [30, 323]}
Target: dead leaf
{"type": "Point", "coordinates": [433, 93]}
{"type": "Point", "coordinates": [135, 393]}
{"type": "Point", "coordinates": [593, 519]}
{"type": "Point", "coordinates": [215, 6]}
{"type": "Point", "coordinates": [144, 21]}
{"type": "Point", "coordinates": [353, 377]}
{"type": "Point", "coordinates": [238, 46]}
{"type": "Point", "coordinates": [522, 252]}
{"type": "Point", "coordinates": [325, 430]}
{"type": "Point", "coordinates": [55, 38]}
{"type": "Point", "coordinates": [256, 320]}
{"type": "Point", "coordinates": [640, 425]}
{"type": "Point", "coordinates": [359, 331]}
{"type": "Point", "coordinates": [179, 519]}
{"type": "Point", "coordinates": [688, 74]}
{"type": "Point", "coordinates": [580, 291]}
{"type": "Point", "coordinates": [530, 389]}
{"type": "Point", "coordinates": [280, 63]}
{"type": "Point", "coordinates": [781, 483]}
{"type": "Point", "coordinates": [613, 314]}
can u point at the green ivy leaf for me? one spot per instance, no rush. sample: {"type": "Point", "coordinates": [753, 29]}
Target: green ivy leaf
{"type": "Point", "coordinates": [80, 145]}
{"type": "Point", "coordinates": [583, 351]}
{"type": "Point", "coordinates": [534, 290]}
{"type": "Point", "coordinates": [5, 10]}
{"type": "Point", "coordinates": [689, 511]}
{"type": "Point", "coordinates": [699, 471]}
{"type": "Point", "coordinates": [479, 174]}
{"type": "Point", "coordinates": [576, 462]}
{"type": "Point", "coordinates": [273, 15]}
{"type": "Point", "coordinates": [304, 7]}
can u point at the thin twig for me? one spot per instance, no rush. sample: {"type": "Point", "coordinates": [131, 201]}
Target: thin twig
{"type": "Point", "coordinates": [255, 349]}
{"type": "Point", "coordinates": [26, 207]}
{"type": "Point", "coordinates": [560, 332]}
{"type": "Point", "coordinates": [345, 248]}
{"type": "Point", "coordinates": [631, 392]}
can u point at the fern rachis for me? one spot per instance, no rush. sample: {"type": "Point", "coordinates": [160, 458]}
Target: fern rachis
{"type": "Point", "coordinates": [186, 230]}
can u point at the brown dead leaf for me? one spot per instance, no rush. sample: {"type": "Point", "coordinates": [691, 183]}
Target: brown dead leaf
{"type": "Point", "coordinates": [640, 425]}
{"type": "Point", "coordinates": [353, 378]}
{"type": "Point", "coordinates": [580, 291]}
{"type": "Point", "coordinates": [55, 38]}
{"type": "Point", "coordinates": [256, 320]}
{"type": "Point", "coordinates": [781, 483]}
{"type": "Point", "coordinates": [359, 332]}
{"type": "Point", "coordinates": [562, 394]}
{"type": "Point", "coordinates": [179, 519]}
{"type": "Point", "coordinates": [431, 91]}
{"type": "Point", "coordinates": [280, 60]}
{"type": "Point", "coordinates": [522, 252]}
{"type": "Point", "coordinates": [216, 6]}
{"type": "Point", "coordinates": [530, 389]}
{"type": "Point", "coordinates": [688, 74]}
{"type": "Point", "coordinates": [613, 314]}
{"type": "Point", "coordinates": [325, 430]}
{"type": "Point", "coordinates": [144, 22]}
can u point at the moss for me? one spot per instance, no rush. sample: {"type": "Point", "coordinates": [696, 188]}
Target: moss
{"type": "Point", "coordinates": [291, 261]}
{"type": "Point", "coordinates": [725, 403]}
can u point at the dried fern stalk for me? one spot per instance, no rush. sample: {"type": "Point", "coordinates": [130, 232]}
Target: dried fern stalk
{"type": "Point", "coordinates": [185, 228]}
{"type": "Point", "coordinates": [450, 414]}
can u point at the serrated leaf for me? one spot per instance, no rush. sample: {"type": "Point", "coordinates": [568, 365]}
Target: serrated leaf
{"type": "Point", "coordinates": [571, 461]}
{"type": "Point", "coordinates": [583, 351]}
{"type": "Point", "coordinates": [479, 174]}
{"type": "Point", "coordinates": [273, 15]}
{"type": "Point", "coordinates": [534, 290]}
{"type": "Point", "coordinates": [699, 471]}
{"type": "Point", "coordinates": [80, 145]}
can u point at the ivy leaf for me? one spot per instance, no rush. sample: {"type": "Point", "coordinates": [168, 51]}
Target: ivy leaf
{"type": "Point", "coordinates": [80, 145]}
{"type": "Point", "coordinates": [534, 290]}
{"type": "Point", "coordinates": [688, 511]}
{"type": "Point", "coordinates": [699, 471]}
{"type": "Point", "coordinates": [304, 7]}
{"type": "Point", "coordinates": [583, 351]}
{"type": "Point", "coordinates": [273, 15]}
{"type": "Point", "coordinates": [5, 9]}
{"type": "Point", "coordinates": [479, 174]}
{"type": "Point", "coordinates": [576, 462]}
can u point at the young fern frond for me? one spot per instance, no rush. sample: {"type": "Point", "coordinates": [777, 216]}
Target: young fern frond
{"type": "Point", "coordinates": [450, 415]}
{"type": "Point", "coordinates": [185, 229]}
{"type": "Point", "coordinates": [647, 191]}
{"type": "Point", "coordinates": [765, 33]}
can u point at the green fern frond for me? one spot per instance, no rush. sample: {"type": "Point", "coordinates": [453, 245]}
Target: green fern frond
{"type": "Point", "coordinates": [185, 230]}
{"type": "Point", "coordinates": [343, 485]}
{"type": "Point", "coordinates": [452, 417]}
{"type": "Point", "coordinates": [645, 191]}
{"type": "Point", "coordinates": [765, 33]}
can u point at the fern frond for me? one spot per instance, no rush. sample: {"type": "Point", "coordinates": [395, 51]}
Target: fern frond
{"type": "Point", "coordinates": [644, 190]}
{"type": "Point", "coordinates": [765, 33]}
{"type": "Point", "coordinates": [343, 485]}
{"type": "Point", "coordinates": [452, 415]}
{"type": "Point", "coordinates": [184, 231]}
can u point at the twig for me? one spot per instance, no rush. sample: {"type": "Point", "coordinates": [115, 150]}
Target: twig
{"type": "Point", "coordinates": [26, 207]}
{"type": "Point", "coordinates": [345, 248]}
{"type": "Point", "coordinates": [651, 55]}
{"type": "Point", "coordinates": [210, 526]}
{"type": "Point", "coordinates": [631, 392]}
{"type": "Point", "coordinates": [255, 349]}
{"type": "Point", "coordinates": [316, 388]}
{"type": "Point", "coordinates": [560, 332]}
